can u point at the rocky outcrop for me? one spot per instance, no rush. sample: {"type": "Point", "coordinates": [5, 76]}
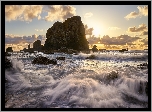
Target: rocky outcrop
{"type": "Point", "coordinates": [94, 49]}
{"type": "Point", "coordinates": [7, 54]}
{"type": "Point", "coordinates": [9, 49]}
{"type": "Point", "coordinates": [37, 45]}
{"type": "Point", "coordinates": [112, 75]}
{"type": "Point", "coordinates": [44, 61]}
{"type": "Point", "coordinates": [60, 58]}
{"type": "Point", "coordinates": [69, 34]}
{"type": "Point", "coordinates": [8, 63]}
{"type": "Point", "coordinates": [91, 57]}
{"type": "Point", "coordinates": [142, 66]}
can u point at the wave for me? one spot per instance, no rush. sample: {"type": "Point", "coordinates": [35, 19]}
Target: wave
{"type": "Point", "coordinates": [70, 86]}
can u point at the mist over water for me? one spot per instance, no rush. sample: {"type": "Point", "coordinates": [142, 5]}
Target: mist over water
{"type": "Point", "coordinates": [78, 82]}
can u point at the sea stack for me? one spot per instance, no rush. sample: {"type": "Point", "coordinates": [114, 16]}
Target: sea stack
{"type": "Point", "coordinates": [70, 34]}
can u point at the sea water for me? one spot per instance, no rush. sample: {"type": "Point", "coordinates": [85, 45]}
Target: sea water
{"type": "Point", "coordinates": [77, 82]}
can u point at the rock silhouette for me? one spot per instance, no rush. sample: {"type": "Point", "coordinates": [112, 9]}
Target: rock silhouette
{"type": "Point", "coordinates": [94, 49]}
{"type": "Point", "coordinates": [8, 63]}
{"type": "Point", "coordinates": [60, 58]}
{"type": "Point", "coordinates": [69, 34]}
{"type": "Point", "coordinates": [44, 61]}
{"type": "Point", "coordinates": [9, 49]}
{"type": "Point", "coordinates": [91, 57]}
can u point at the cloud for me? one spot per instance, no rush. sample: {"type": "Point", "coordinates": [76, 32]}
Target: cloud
{"type": "Point", "coordinates": [93, 39]}
{"type": "Point", "coordinates": [119, 40]}
{"type": "Point", "coordinates": [141, 28]}
{"type": "Point", "coordinates": [23, 12]}
{"type": "Point", "coordinates": [142, 11]}
{"type": "Point", "coordinates": [32, 11]}
{"type": "Point", "coordinates": [15, 39]}
{"type": "Point", "coordinates": [113, 28]}
{"type": "Point", "coordinates": [144, 41]}
{"type": "Point", "coordinates": [12, 12]}
{"type": "Point", "coordinates": [88, 31]}
{"type": "Point", "coordinates": [41, 38]}
{"type": "Point", "coordinates": [132, 15]}
{"type": "Point", "coordinates": [87, 15]}
{"type": "Point", "coordinates": [39, 17]}
{"type": "Point", "coordinates": [144, 33]}
{"type": "Point", "coordinates": [60, 12]}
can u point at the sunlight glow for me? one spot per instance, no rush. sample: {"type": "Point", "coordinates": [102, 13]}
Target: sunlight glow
{"type": "Point", "coordinates": [96, 31]}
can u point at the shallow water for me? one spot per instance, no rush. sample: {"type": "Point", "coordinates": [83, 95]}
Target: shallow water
{"type": "Point", "coordinates": [78, 82]}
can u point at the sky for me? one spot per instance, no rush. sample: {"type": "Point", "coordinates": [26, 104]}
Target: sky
{"type": "Point", "coordinates": [107, 26]}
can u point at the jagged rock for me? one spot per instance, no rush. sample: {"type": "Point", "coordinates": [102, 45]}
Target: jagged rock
{"type": "Point", "coordinates": [44, 61]}
{"type": "Point", "coordinates": [7, 54]}
{"type": "Point", "coordinates": [69, 34]}
{"type": "Point", "coordinates": [142, 66]}
{"type": "Point", "coordinates": [91, 57]}
{"type": "Point", "coordinates": [60, 58]}
{"type": "Point", "coordinates": [9, 49]}
{"type": "Point", "coordinates": [8, 63]}
{"type": "Point", "coordinates": [48, 52]}
{"type": "Point", "coordinates": [113, 75]}
{"type": "Point", "coordinates": [94, 49]}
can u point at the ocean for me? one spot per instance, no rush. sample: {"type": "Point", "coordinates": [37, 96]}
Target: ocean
{"type": "Point", "coordinates": [77, 82]}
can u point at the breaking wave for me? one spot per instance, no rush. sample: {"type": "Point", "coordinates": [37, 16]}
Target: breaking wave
{"type": "Point", "coordinates": [71, 84]}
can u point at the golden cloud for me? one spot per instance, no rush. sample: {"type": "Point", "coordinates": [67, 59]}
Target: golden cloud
{"type": "Point", "coordinates": [142, 11]}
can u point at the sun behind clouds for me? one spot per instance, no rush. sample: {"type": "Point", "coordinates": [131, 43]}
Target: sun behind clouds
{"type": "Point", "coordinates": [96, 31]}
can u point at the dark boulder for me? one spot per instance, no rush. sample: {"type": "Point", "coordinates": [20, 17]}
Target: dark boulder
{"type": "Point", "coordinates": [60, 58]}
{"type": "Point", "coordinates": [94, 49]}
{"type": "Point", "coordinates": [7, 54]}
{"type": "Point", "coordinates": [48, 52]}
{"type": "Point", "coordinates": [91, 57]}
{"type": "Point", "coordinates": [9, 49]}
{"type": "Point", "coordinates": [142, 66]}
{"type": "Point", "coordinates": [8, 64]}
{"type": "Point", "coordinates": [112, 75]}
{"type": "Point", "coordinates": [44, 61]}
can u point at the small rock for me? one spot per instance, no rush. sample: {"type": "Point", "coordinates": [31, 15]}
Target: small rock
{"type": "Point", "coordinates": [8, 63]}
{"type": "Point", "coordinates": [91, 57]}
{"type": "Point", "coordinates": [142, 66]}
{"type": "Point", "coordinates": [111, 76]}
{"type": "Point", "coordinates": [44, 61]}
{"type": "Point", "coordinates": [60, 58]}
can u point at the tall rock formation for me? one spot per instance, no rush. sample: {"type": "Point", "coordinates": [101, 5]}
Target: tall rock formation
{"type": "Point", "coordinates": [69, 34]}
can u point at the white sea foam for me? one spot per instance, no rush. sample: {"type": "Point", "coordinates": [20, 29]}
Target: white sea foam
{"type": "Point", "coordinates": [77, 83]}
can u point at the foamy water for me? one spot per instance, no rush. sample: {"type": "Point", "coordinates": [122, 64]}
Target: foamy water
{"type": "Point", "coordinates": [78, 82]}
